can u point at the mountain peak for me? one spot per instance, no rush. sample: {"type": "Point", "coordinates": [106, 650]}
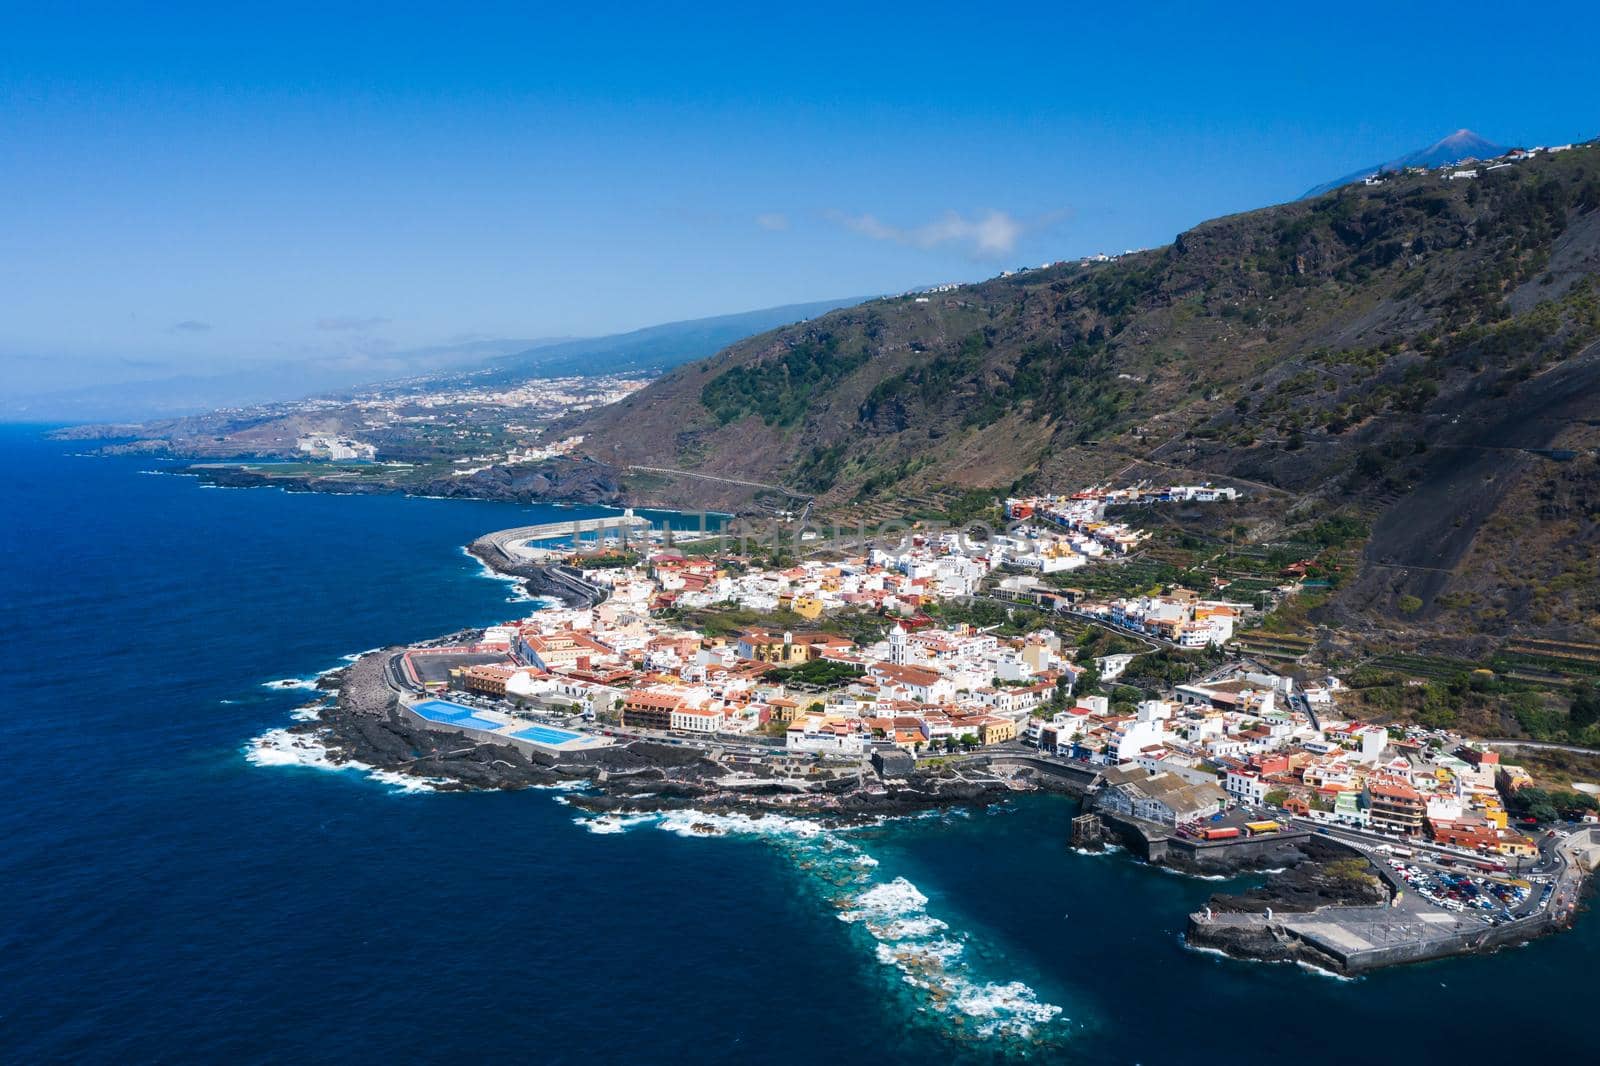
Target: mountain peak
{"type": "Point", "coordinates": [1462, 144]}
{"type": "Point", "coordinates": [1463, 140]}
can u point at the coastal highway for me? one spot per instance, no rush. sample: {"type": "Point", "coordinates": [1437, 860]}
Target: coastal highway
{"type": "Point", "coordinates": [724, 480]}
{"type": "Point", "coordinates": [1541, 745]}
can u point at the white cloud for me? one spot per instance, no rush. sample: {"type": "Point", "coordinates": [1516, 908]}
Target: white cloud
{"type": "Point", "coordinates": [773, 220]}
{"type": "Point", "coordinates": [988, 236]}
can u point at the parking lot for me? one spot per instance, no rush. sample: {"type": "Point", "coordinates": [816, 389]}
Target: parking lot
{"type": "Point", "coordinates": [1463, 893]}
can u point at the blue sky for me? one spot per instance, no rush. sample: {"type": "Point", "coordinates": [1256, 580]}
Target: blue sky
{"type": "Point", "coordinates": [238, 188]}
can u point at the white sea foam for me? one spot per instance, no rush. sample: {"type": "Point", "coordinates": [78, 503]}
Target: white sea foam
{"type": "Point", "coordinates": [1320, 972]}
{"type": "Point", "coordinates": [1190, 874]}
{"type": "Point", "coordinates": [1303, 964]}
{"type": "Point", "coordinates": [889, 899]}
{"type": "Point", "coordinates": [519, 591]}
{"type": "Point", "coordinates": [613, 823]}
{"type": "Point", "coordinates": [310, 683]}
{"type": "Point", "coordinates": [696, 823]}
{"type": "Point", "coordinates": [305, 683]}
{"type": "Point", "coordinates": [311, 712]}
{"type": "Point", "coordinates": [281, 747]}
{"type": "Point", "coordinates": [923, 951]}
{"type": "Point", "coordinates": [1104, 849]}
{"type": "Point", "coordinates": [1204, 950]}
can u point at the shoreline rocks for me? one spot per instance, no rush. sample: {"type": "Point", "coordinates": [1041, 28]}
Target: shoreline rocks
{"type": "Point", "coordinates": [363, 724]}
{"type": "Point", "coordinates": [552, 481]}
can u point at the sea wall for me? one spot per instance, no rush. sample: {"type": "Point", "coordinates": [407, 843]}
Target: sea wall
{"type": "Point", "coordinates": [1253, 936]}
{"type": "Point", "coordinates": [1156, 844]}
{"type": "Point", "coordinates": [552, 580]}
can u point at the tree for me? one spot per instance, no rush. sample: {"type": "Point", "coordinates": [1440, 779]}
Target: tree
{"type": "Point", "coordinates": [1536, 803]}
{"type": "Point", "coordinates": [1585, 709]}
{"type": "Point", "coordinates": [1089, 680]}
{"type": "Point", "coordinates": [1277, 797]}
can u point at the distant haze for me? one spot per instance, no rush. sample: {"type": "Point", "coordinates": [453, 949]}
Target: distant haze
{"type": "Point", "coordinates": [199, 205]}
{"type": "Point", "coordinates": [488, 362]}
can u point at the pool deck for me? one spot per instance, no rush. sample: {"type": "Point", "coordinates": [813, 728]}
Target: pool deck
{"type": "Point", "coordinates": [500, 727]}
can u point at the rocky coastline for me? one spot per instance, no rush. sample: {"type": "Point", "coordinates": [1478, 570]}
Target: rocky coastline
{"type": "Point", "coordinates": [360, 723]}
{"type": "Point", "coordinates": [553, 481]}
{"type": "Point", "coordinates": [540, 580]}
{"type": "Point", "coordinates": [1326, 874]}
{"type": "Point", "coordinates": [1317, 912]}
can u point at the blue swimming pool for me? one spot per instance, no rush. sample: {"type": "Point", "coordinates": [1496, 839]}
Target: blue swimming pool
{"type": "Point", "coordinates": [543, 734]}
{"type": "Point", "coordinates": [452, 714]}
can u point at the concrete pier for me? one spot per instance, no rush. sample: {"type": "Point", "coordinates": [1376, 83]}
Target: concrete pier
{"type": "Point", "coordinates": [506, 541]}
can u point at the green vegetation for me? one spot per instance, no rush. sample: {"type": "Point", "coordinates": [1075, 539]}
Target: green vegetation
{"type": "Point", "coordinates": [818, 673]}
{"type": "Point", "coordinates": [1160, 670]}
{"type": "Point", "coordinates": [781, 390]}
{"type": "Point", "coordinates": [1351, 871]}
{"type": "Point", "coordinates": [607, 560]}
{"type": "Point", "coordinates": [1546, 806]}
{"type": "Point", "coordinates": [1212, 358]}
{"type": "Point", "coordinates": [1445, 693]}
{"type": "Point", "coordinates": [1005, 619]}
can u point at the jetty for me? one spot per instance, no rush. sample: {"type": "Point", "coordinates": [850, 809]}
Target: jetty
{"type": "Point", "coordinates": [505, 542]}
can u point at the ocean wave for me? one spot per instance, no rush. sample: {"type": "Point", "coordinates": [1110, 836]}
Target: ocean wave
{"type": "Point", "coordinates": [1190, 875]}
{"type": "Point", "coordinates": [303, 683]}
{"type": "Point", "coordinates": [1103, 849]}
{"type": "Point", "coordinates": [283, 747]}
{"type": "Point", "coordinates": [613, 823]}
{"type": "Point", "coordinates": [1309, 967]}
{"type": "Point", "coordinates": [1312, 967]}
{"type": "Point", "coordinates": [1201, 949]}
{"type": "Point", "coordinates": [927, 956]}
{"type": "Point", "coordinates": [519, 591]}
{"type": "Point", "coordinates": [310, 683]}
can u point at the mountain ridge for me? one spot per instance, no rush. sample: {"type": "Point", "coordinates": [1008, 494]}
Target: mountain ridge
{"type": "Point", "coordinates": [1342, 354]}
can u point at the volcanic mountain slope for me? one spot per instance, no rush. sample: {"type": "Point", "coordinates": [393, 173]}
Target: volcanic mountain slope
{"type": "Point", "coordinates": [1462, 144]}
{"type": "Point", "coordinates": [1422, 351]}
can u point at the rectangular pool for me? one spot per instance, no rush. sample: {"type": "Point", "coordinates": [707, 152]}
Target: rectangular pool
{"type": "Point", "coordinates": [543, 734]}
{"type": "Point", "coordinates": [448, 713]}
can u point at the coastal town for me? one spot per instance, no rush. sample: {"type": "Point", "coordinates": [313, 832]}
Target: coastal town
{"type": "Point", "coordinates": [873, 691]}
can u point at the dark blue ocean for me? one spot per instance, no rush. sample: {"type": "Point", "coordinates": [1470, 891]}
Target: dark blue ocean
{"type": "Point", "coordinates": [167, 899]}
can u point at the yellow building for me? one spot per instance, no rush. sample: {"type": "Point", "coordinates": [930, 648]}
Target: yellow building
{"type": "Point", "coordinates": [1516, 846]}
{"type": "Point", "coordinates": [994, 730]}
{"type": "Point", "coordinates": [806, 606]}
